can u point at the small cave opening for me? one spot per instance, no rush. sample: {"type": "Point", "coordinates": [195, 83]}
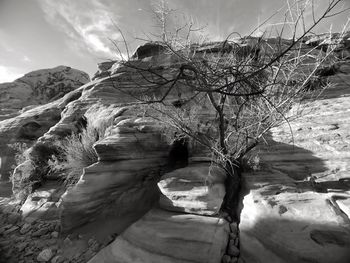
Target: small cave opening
{"type": "Point", "coordinates": [178, 154]}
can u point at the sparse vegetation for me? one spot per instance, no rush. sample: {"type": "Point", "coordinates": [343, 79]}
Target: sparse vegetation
{"type": "Point", "coordinates": [21, 153]}
{"type": "Point", "coordinates": [76, 153]}
{"type": "Point", "coordinates": [226, 96]}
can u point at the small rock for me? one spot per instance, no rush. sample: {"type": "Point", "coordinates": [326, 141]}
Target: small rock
{"type": "Point", "coordinates": [232, 249]}
{"type": "Point", "coordinates": [25, 228]}
{"type": "Point", "coordinates": [39, 244]}
{"type": "Point", "coordinates": [7, 226]}
{"type": "Point", "coordinates": [22, 246]}
{"type": "Point", "coordinates": [51, 242]}
{"type": "Point", "coordinates": [7, 210]}
{"type": "Point", "coordinates": [57, 259]}
{"type": "Point", "coordinates": [5, 243]}
{"type": "Point", "coordinates": [19, 239]}
{"type": "Point", "coordinates": [234, 260]}
{"type": "Point", "coordinates": [28, 252]}
{"type": "Point", "coordinates": [232, 235]}
{"type": "Point", "coordinates": [282, 209]}
{"type": "Point", "coordinates": [45, 255]}
{"type": "Point", "coordinates": [226, 259]}
{"type": "Point", "coordinates": [95, 247]}
{"type": "Point", "coordinates": [236, 242]}
{"type": "Point", "coordinates": [12, 229]}
{"type": "Point", "coordinates": [57, 227]}
{"type": "Point", "coordinates": [54, 234]}
{"type": "Point", "coordinates": [46, 236]}
{"type": "Point", "coordinates": [30, 220]}
{"type": "Point", "coordinates": [67, 242]}
{"type": "Point", "coordinates": [40, 232]}
{"type": "Point", "coordinates": [234, 228]}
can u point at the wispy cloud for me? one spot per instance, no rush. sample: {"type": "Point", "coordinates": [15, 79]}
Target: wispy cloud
{"type": "Point", "coordinates": [26, 59]}
{"type": "Point", "coordinates": [8, 74]}
{"type": "Point", "coordinates": [88, 23]}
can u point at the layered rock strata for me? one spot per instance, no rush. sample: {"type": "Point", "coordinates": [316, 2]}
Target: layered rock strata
{"type": "Point", "coordinates": [181, 211]}
{"type": "Point", "coordinates": [297, 206]}
{"type": "Point", "coordinates": [180, 228]}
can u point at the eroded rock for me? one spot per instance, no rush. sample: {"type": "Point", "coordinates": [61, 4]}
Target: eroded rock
{"type": "Point", "coordinates": [197, 189]}
{"type": "Point", "coordinates": [175, 238]}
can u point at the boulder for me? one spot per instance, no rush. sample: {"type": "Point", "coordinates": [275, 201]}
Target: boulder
{"type": "Point", "coordinates": [45, 255]}
{"type": "Point", "coordinates": [197, 189]}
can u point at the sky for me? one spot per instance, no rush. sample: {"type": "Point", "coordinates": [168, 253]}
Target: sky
{"type": "Point", "coordinates": [36, 34]}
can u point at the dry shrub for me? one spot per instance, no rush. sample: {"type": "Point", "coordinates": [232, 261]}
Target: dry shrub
{"type": "Point", "coordinates": [77, 152]}
{"type": "Point", "coordinates": [21, 154]}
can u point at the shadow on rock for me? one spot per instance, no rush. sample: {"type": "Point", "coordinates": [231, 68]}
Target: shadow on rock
{"type": "Point", "coordinates": [283, 240]}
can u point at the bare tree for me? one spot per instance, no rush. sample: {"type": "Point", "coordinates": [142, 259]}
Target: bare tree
{"type": "Point", "coordinates": [227, 95]}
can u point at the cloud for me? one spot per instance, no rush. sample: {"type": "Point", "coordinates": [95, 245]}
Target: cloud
{"type": "Point", "coordinates": [26, 59]}
{"type": "Point", "coordinates": [88, 23]}
{"type": "Point", "coordinates": [8, 74]}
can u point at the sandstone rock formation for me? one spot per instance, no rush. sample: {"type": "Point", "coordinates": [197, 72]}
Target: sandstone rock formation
{"type": "Point", "coordinates": [296, 208]}
{"type": "Point", "coordinates": [37, 88]}
{"type": "Point", "coordinates": [162, 236]}
{"type": "Point", "coordinates": [196, 189]}
{"type": "Point", "coordinates": [26, 119]}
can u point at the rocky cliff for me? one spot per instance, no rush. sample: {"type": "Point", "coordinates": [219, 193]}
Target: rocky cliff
{"type": "Point", "coordinates": [24, 112]}
{"type": "Point", "coordinates": [37, 88]}
{"type": "Point", "coordinates": [144, 203]}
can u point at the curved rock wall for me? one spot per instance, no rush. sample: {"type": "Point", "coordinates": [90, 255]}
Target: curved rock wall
{"type": "Point", "coordinates": [184, 227]}
{"type": "Point", "coordinates": [124, 180]}
{"type": "Point", "coordinates": [296, 208]}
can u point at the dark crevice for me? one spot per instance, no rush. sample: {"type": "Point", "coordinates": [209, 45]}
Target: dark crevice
{"type": "Point", "coordinates": [178, 154]}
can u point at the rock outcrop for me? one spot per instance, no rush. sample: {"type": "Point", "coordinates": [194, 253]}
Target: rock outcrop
{"type": "Point", "coordinates": [30, 106]}
{"type": "Point", "coordinates": [196, 189]}
{"type": "Point", "coordinates": [162, 236]}
{"type": "Point", "coordinates": [37, 88]}
{"type": "Point", "coordinates": [124, 181]}
{"type": "Point", "coordinates": [296, 208]}
{"type": "Point", "coordinates": [149, 205]}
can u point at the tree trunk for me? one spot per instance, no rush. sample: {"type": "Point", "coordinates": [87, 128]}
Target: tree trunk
{"type": "Point", "coordinates": [232, 187]}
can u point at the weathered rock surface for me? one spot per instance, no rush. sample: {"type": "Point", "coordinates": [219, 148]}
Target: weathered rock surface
{"type": "Point", "coordinates": [165, 237]}
{"type": "Point", "coordinates": [297, 208]}
{"type": "Point", "coordinates": [38, 87]}
{"type": "Point", "coordinates": [43, 203]}
{"type": "Point", "coordinates": [125, 178]}
{"type": "Point", "coordinates": [197, 189]}
{"type": "Point", "coordinates": [22, 117]}
{"type": "Point", "coordinates": [284, 218]}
